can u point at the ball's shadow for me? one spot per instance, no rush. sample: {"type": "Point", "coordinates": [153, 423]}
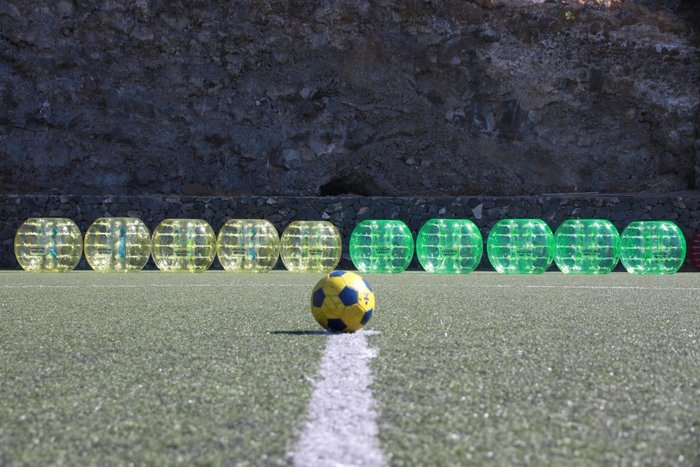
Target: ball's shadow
{"type": "Point", "coordinates": [301, 332]}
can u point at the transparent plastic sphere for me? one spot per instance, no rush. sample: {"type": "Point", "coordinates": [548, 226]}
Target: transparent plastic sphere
{"type": "Point", "coordinates": [449, 246]}
{"type": "Point", "coordinates": [694, 252]}
{"type": "Point", "coordinates": [117, 244]}
{"type": "Point", "coordinates": [520, 246]}
{"type": "Point", "coordinates": [586, 246]}
{"type": "Point", "coordinates": [248, 245]}
{"type": "Point", "coordinates": [381, 246]}
{"type": "Point", "coordinates": [183, 245]}
{"type": "Point", "coordinates": [311, 246]}
{"type": "Point", "coordinates": [652, 247]}
{"type": "Point", "coordinates": [48, 244]}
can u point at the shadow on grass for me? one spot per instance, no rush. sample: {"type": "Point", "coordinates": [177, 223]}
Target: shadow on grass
{"type": "Point", "coordinates": [302, 332]}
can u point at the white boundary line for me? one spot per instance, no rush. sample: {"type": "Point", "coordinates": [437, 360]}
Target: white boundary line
{"type": "Point", "coordinates": [584, 287]}
{"type": "Point", "coordinates": [452, 286]}
{"type": "Point", "coordinates": [145, 286]}
{"type": "Point", "coordinates": [342, 428]}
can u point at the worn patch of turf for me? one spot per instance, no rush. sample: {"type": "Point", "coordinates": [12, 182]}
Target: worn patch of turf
{"type": "Point", "coordinates": [487, 369]}
{"type": "Point", "coordinates": [154, 368]}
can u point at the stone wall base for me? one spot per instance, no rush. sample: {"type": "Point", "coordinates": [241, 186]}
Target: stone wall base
{"type": "Point", "coordinates": [347, 211]}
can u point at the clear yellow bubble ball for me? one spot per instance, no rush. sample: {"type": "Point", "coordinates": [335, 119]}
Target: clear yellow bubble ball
{"type": "Point", "coordinates": [183, 245]}
{"type": "Point", "coordinates": [48, 244]}
{"type": "Point", "coordinates": [117, 244]}
{"type": "Point", "coordinates": [311, 246]}
{"type": "Point", "coordinates": [248, 245]}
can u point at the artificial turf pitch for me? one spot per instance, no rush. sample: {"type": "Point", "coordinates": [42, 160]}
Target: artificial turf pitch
{"type": "Point", "coordinates": [155, 368]}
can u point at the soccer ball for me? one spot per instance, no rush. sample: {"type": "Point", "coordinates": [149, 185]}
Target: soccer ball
{"type": "Point", "coordinates": [342, 302]}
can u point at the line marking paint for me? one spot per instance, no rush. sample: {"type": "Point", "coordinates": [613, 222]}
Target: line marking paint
{"type": "Point", "coordinates": [470, 286]}
{"type": "Point", "coordinates": [583, 287]}
{"type": "Point", "coordinates": [342, 427]}
{"type": "Point", "coordinates": [144, 286]}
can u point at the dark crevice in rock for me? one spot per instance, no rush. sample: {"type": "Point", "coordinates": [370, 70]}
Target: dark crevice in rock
{"type": "Point", "coordinates": [350, 184]}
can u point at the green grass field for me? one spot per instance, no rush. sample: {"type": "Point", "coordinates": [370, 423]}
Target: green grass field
{"type": "Point", "coordinates": [218, 368]}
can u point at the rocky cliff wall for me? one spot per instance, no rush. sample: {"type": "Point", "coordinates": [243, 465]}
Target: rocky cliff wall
{"type": "Point", "coordinates": [447, 97]}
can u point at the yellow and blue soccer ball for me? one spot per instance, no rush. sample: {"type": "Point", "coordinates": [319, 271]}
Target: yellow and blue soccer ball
{"type": "Point", "coordinates": [342, 302]}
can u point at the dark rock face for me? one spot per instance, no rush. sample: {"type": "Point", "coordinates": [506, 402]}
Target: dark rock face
{"type": "Point", "coordinates": [330, 97]}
